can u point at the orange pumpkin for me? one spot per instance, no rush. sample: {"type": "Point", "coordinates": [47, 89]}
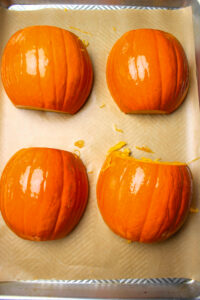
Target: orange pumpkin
{"type": "Point", "coordinates": [46, 68]}
{"type": "Point", "coordinates": [43, 193]}
{"type": "Point", "coordinates": [147, 72]}
{"type": "Point", "coordinates": [143, 201]}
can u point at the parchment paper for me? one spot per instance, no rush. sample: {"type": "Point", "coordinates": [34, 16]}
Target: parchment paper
{"type": "Point", "coordinates": [92, 250]}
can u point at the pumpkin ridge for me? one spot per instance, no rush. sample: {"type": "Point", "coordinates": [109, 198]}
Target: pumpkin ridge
{"type": "Point", "coordinates": [176, 59]}
{"type": "Point", "coordinates": [177, 221]}
{"type": "Point", "coordinates": [180, 94]}
{"type": "Point", "coordinates": [109, 64]}
{"type": "Point", "coordinates": [179, 206]}
{"type": "Point", "coordinates": [120, 191]}
{"type": "Point", "coordinates": [148, 210]}
{"type": "Point", "coordinates": [101, 186]}
{"type": "Point", "coordinates": [158, 233]}
{"type": "Point", "coordinates": [85, 62]}
{"type": "Point", "coordinates": [3, 207]}
{"type": "Point", "coordinates": [43, 199]}
{"type": "Point", "coordinates": [168, 218]}
{"type": "Point", "coordinates": [90, 76]}
{"type": "Point", "coordinates": [9, 75]}
{"type": "Point", "coordinates": [65, 54]}
{"type": "Point", "coordinates": [84, 203]}
{"type": "Point", "coordinates": [114, 76]}
{"type": "Point", "coordinates": [82, 89]}
{"type": "Point", "coordinates": [61, 198]}
{"type": "Point", "coordinates": [159, 68]}
{"type": "Point", "coordinates": [66, 59]}
{"type": "Point", "coordinates": [28, 189]}
{"type": "Point", "coordinates": [81, 78]}
{"type": "Point", "coordinates": [55, 98]}
{"type": "Point", "coordinates": [38, 74]}
{"type": "Point", "coordinates": [12, 162]}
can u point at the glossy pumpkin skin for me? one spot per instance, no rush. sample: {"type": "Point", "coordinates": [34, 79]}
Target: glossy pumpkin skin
{"type": "Point", "coordinates": [147, 72]}
{"type": "Point", "coordinates": [46, 68]}
{"type": "Point", "coordinates": [43, 193]}
{"type": "Point", "coordinates": [142, 201]}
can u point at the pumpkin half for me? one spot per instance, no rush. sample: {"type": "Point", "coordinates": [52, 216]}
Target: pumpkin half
{"type": "Point", "coordinates": [43, 193]}
{"type": "Point", "coordinates": [46, 68]}
{"type": "Point", "coordinates": [147, 72]}
{"type": "Point", "coordinates": [143, 201]}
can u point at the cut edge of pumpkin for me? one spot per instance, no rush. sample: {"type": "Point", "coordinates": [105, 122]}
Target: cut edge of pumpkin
{"type": "Point", "coordinates": [146, 160]}
{"type": "Point", "coordinates": [41, 109]}
{"type": "Point", "coordinates": [151, 112]}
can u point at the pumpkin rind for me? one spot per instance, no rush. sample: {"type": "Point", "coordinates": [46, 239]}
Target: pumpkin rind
{"type": "Point", "coordinates": [147, 72]}
{"type": "Point", "coordinates": [142, 201]}
{"type": "Point", "coordinates": [46, 68]}
{"type": "Point", "coordinates": [43, 193]}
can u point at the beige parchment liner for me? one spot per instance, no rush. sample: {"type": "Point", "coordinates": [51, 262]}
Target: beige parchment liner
{"type": "Point", "coordinates": [92, 250]}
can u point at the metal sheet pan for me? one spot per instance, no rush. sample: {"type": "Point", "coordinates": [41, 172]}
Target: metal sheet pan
{"type": "Point", "coordinates": [157, 288]}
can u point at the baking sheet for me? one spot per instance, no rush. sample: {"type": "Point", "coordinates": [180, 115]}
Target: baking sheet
{"type": "Point", "coordinates": [92, 250]}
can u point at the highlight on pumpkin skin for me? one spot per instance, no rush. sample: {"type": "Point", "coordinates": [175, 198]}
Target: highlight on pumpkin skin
{"type": "Point", "coordinates": [47, 68]}
{"type": "Point", "coordinates": [147, 77]}
{"type": "Point", "coordinates": [141, 200]}
{"type": "Point", "coordinates": [43, 193]}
